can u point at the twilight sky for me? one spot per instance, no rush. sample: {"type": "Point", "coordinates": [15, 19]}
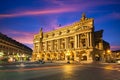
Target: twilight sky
{"type": "Point", "coordinates": [21, 19]}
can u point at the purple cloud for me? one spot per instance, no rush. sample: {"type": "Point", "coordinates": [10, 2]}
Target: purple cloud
{"type": "Point", "coordinates": [20, 36]}
{"type": "Point", "coordinates": [114, 47]}
{"type": "Point", "coordinates": [60, 7]}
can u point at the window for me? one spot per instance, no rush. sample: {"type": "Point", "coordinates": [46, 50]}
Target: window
{"type": "Point", "coordinates": [60, 33]}
{"type": "Point", "coordinates": [83, 42]}
{"type": "Point", "coordinates": [47, 36]}
{"type": "Point", "coordinates": [84, 58]}
{"type": "Point", "coordinates": [53, 34]}
{"type": "Point", "coordinates": [72, 45]}
{"type": "Point", "coordinates": [68, 31]}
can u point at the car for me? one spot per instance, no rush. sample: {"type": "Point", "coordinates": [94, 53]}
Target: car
{"type": "Point", "coordinates": [41, 61]}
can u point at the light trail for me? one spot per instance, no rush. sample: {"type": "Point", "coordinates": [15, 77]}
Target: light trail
{"type": "Point", "coordinates": [29, 69]}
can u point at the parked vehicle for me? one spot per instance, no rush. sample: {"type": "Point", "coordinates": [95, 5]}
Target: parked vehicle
{"type": "Point", "coordinates": [40, 61]}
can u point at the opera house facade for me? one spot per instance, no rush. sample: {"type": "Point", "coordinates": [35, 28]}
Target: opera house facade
{"type": "Point", "coordinates": [76, 42]}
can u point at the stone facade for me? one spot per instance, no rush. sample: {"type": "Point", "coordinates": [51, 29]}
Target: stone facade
{"type": "Point", "coordinates": [116, 54]}
{"type": "Point", "coordinates": [75, 42]}
{"type": "Point", "coordinates": [11, 48]}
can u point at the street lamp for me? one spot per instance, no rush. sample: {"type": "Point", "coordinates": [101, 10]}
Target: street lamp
{"type": "Point", "coordinates": [108, 55]}
{"type": "Point", "coordinates": [108, 51]}
{"type": "Point", "coordinates": [23, 56]}
{"type": "Point", "coordinates": [68, 56]}
{"type": "Point", "coordinates": [22, 59]}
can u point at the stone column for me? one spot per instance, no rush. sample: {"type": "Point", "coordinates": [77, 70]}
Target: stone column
{"type": "Point", "coordinates": [78, 40]}
{"type": "Point", "coordinates": [39, 45]}
{"type": "Point", "coordinates": [52, 46]}
{"type": "Point", "coordinates": [87, 40]}
{"type": "Point", "coordinates": [74, 55]}
{"type": "Point", "coordinates": [75, 41]}
{"type": "Point", "coordinates": [58, 44]}
{"type": "Point", "coordinates": [34, 48]}
{"type": "Point", "coordinates": [89, 57]}
{"type": "Point", "coordinates": [45, 57]}
{"type": "Point", "coordinates": [38, 48]}
{"type": "Point", "coordinates": [66, 43]}
{"type": "Point", "coordinates": [46, 46]}
{"type": "Point", "coordinates": [91, 40]}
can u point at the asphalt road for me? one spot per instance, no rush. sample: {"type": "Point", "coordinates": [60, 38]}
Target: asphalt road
{"type": "Point", "coordinates": [63, 72]}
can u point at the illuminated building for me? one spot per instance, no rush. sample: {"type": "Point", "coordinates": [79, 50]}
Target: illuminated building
{"type": "Point", "coordinates": [115, 55]}
{"type": "Point", "coordinates": [78, 39]}
{"type": "Point", "coordinates": [12, 49]}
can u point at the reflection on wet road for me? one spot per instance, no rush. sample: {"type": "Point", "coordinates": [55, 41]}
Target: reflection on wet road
{"type": "Point", "coordinates": [64, 72]}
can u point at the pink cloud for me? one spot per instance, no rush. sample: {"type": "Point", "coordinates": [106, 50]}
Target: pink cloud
{"type": "Point", "coordinates": [38, 12]}
{"type": "Point", "coordinates": [114, 47]}
{"type": "Point", "coordinates": [62, 7]}
{"type": "Point", "coordinates": [20, 36]}
{"type": "Point", "coordinates": [25, 38]}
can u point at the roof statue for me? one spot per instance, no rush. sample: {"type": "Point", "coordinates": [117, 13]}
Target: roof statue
{"type": "Point", "coordinates": [83, 16]}
{"type": "Point", "coordinates": [41, 33]}
{"type": "Point", "coordinates": [40, 29]}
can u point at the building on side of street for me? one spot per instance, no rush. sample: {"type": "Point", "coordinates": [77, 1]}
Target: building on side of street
{"type": "Point", "coordinates": [116, 53]}
{"type": "Point", "coordinates": [102, 48]}
{"type": "Point", "coordinates": [76, 42]}
{"type": "Point", "coordinates": [12, 49]}
{"type": "Point", "coordinates": [116, 56]}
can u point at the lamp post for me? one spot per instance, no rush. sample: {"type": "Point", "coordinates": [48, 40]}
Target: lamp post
{"type": "Point", "coordinates": [22, 59]}
{"type": "Point", "coordinates": [108, 51]}
{"type": "Point", "coordinates": [109, 55]}
{"type": "Point", "coordinates": [68, 56]}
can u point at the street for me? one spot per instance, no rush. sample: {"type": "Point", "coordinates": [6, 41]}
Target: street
{"type": "Point", "coordinates": [63, 72]}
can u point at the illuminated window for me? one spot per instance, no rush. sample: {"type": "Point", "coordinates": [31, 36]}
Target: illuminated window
{"type": "Point", "coordinates": [60, 33]}
{"type": "Point", "coordinates": [68, 31]}
{"type": "Point", "coordinates": [72, 45]}
{"type": "Point", "coordinates": [53, 34]}
{"type": "Point", "coordinates": [83, 42]}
